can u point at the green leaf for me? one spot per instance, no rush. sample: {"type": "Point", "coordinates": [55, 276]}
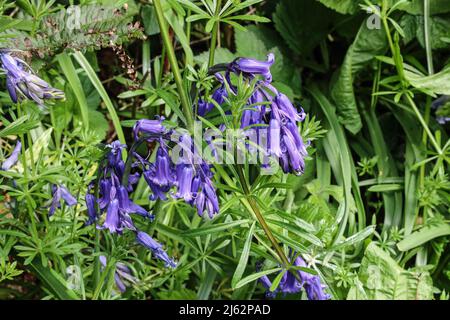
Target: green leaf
{"type": "Point", "coordinates": [151, 25]}
{"type": "Point", "coordinates": [438, 83]}
{"type": "Point", "coordinates": [439, 30]}
{"type": "Point", "coordinates": [255, 276]}
{"type": "Point", "coordinates": [222, 55]}
{"type": "Point", "coordinates": [383, 279]}
{"type": "Point", "coordinates": [297, 231]}
{"type": "Point", "coordinates": [41, 143]}
{"type": "Point", "coordinates": [213, 229]}
{"type": "Point", "coordinates": [367, 44]}
{"type": "Point", "coordinates": [81, 59]}
{"type": "Point", "coordinates": [98, 123]}
{"type": "Point", "coordinates": [53, 281]}
{"type": "Point", "coordinates": [178, 29]}
{"type": "Point", "coordinates": [385, 187]}
{"type": "Point", "coordinates": [343, 6]}
{"type": "Point", "coordinates": [69, 71]}
{"type": "Point", "coordinates": [436, 7]}
{"type": "Point", "coordinates": [277, 280]}
{"type": "Point", "coordinates": [355, 238]}
{"type": "Point", "coordinates": [298, 24]}
{"type": "Point", "coordinates": [244, 257]}
{"type": "Point", "coordinates": [423, 235]}
{"type": "Point", "coordinates": [19, 126]}
{"type": "Point", "coordinates": [257, 42]}
{"type": "Point", "coordinates": [77, 27]}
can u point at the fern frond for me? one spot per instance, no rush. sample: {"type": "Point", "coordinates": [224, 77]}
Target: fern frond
{"type": "Point", "coordinates": [76, 28]}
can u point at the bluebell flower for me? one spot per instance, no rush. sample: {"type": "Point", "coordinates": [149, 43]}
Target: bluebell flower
{"type": "Point", "coordinates": [22, 83]}
{"type": "Point", "coordinates": [114, 197]}
{"type": "Point", "coordinates": [148, 242]}
{"type": "Point", "coordinates": [289, 284]}
{"type": "Point", "coordinates": [123, 276]}
{"type": "Point", "coordinates": [90, 205]}
{"type": "Point", "coordinates": [158, 192]}
{"type": "Point", "coordinates": [269, 108]}
{"type": "Point", "coordinates": [185, 175]}
{"type": "Point", "coordinates": [151, 128]}
{"type": "Point", "coordinates": [252, 67]}
{"type": "Point", "coordinates": [13, 158]}
{"type": "Point", "coordinates": [60, 193]}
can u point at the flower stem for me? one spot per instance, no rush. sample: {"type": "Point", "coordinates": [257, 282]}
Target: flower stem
{"type": "Point", "coordinates": [258, 215]}
{"type": "Point", "coordinates": [426, 16]}
{"type": "Point", "coordinates": [214, 34]}
{"type": "Point", "coordinates": [174, 64]}
{"type": "Point", "coordinates": [424, 124]}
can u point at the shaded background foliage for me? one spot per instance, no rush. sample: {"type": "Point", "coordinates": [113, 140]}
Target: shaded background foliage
{"type": "Point", "coordinates": [370, 213]}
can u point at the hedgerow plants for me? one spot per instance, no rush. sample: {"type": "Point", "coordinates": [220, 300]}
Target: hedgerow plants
{"type": "Point", "coordinates": [224, 149]}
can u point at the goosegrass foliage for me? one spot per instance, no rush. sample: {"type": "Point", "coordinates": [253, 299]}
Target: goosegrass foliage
{"type": "Point", "coordinates": [369, 215]}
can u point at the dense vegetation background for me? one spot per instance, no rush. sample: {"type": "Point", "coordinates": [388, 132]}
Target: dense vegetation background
{"type": "Point", "coordinates": [370, 214]}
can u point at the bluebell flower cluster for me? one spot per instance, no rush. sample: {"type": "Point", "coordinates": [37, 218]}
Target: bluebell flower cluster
{"type": "Point", "coordinates": [188, 177]}
{"type": "Point", "coordinates": [189, 173]}
{"type": "Point", "coordinates": [21, 82]}
{"type": "Point", "coordinates": [267, 107]}
{"type": "Point", "coordinates": [115, 203]}
{"type": "Point", "coordinates": [289, 284]}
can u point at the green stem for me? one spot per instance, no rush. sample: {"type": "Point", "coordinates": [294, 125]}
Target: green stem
{"type": "Point", "coordinates": [402, 78]}
{"type": "Point", "coordinates": [426, 15]}
{"type": "Point", "coordinates": [174, 64]}
{"type": "Point", "coordinates": [259, 216]}
{"type": "Point", "coordinates": [424, 124]}
{"type": "Point", "coordinates": [214, 34]}
{"type": "Point", "coordinates": [25, 176]}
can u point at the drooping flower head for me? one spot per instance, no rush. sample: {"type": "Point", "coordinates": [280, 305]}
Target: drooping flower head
{"type": "Point", "coordinates": [21, 82]}
{"type": "Point", "coordinates": [251, 67]}
{"type": "Point", "coordinates": [113, 196]}
{"type": "Point", "coordinates": [267, 109]}
{"type": "Point", "coordinates": [13, 158]}
{"type": "Point", "coordinates": [123, 276]}
{"type": "Point", "coordinates": [148, 242]}
{"type": "Point", "coordinates": [59, 193]}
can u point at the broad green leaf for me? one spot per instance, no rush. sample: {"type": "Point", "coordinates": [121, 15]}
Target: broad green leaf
{"type": "Point", "coordinates": [367, 44]}
{"type": "Point", "coordinates": [423, 235]}
{"type": "Point", "coordinates": [98, 123]}
{"type": "Point", "coordinates": [383, 279]}
{"type": "Point", "coordinates": [298, 24]}
{"type": "Point", "coordinates": [257, 43]}
{"type": "Point", "coordinates": [343, 6]}
{"type": "Point", "coordinates": [436, 7]}
{"type": "Point", "coordinates": [439, 30]}
{"type": "Point", "coordinates": [438, 83]}
{"type": "Point", "coordinates": [148, 15]}
{"type": "Point", "coordinates": [222, 55]}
